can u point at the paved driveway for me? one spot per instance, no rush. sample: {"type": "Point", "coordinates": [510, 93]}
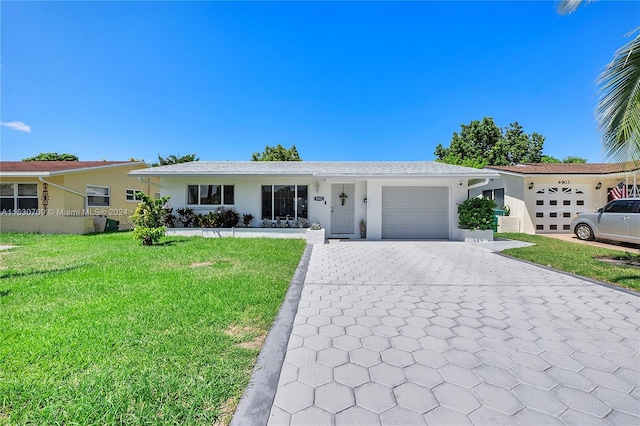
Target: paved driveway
{"type": "Point", "coordinates": [451, 333]}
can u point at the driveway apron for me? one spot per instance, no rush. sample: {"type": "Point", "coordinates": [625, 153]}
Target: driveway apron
{"type": "Point", "coordinates": [452, 333]}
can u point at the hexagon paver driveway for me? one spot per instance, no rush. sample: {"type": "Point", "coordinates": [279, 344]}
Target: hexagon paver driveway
{"type": "Point", "coordinates": [451, 333]}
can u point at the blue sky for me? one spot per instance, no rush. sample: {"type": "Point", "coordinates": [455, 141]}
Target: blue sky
{"type": "Point", "coordinates": [340, 80]}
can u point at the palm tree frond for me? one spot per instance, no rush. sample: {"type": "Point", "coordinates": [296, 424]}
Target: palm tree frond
{"type": "Point", "coordinates": [566, 7]}
{"type": "Point", "coordinates": [618, 111]}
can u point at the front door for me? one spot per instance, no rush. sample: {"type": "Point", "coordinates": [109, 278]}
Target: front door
{"type": "Point", "coordinates": [342, 208]}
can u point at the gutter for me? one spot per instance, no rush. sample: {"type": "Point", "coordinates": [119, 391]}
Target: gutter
{"type": "Point", "coordinates": [63, 188]}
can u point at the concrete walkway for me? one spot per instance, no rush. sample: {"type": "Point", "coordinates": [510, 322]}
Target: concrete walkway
{"type": "Point", "coordinates": [451, 333]}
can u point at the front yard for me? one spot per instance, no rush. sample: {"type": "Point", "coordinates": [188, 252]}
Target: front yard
{"type": "Point", "coordinates": [575, 258]}
{"type": "Point", "coordinates": [99, 329]}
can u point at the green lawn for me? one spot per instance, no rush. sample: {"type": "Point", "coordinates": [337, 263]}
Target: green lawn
{"type": "Point", "coordinates": [574, 258]}
{"type": "Point", "coordinates": [99, 329]}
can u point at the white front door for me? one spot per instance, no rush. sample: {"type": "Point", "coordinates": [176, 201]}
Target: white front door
{"type": "Point", "coordinates": [342, 208]}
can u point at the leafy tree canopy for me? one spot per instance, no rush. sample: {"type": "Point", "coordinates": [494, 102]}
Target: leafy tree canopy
{"type": "Point", "coordinates": [52, 156]}
{"type": "Point", "coordinates": [277, 153]}
{"type": "Point", "coordinates": [174, 159]}
{"type": "Point", "coordinates": [483, 143]}
{"type": "Point", "coordinates": [548, 159]}
{"type": "Point", "coordinates": [570, 159]}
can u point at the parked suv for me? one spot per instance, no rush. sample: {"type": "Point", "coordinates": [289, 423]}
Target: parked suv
{"type": "Point", "coordinates": [619, 220]}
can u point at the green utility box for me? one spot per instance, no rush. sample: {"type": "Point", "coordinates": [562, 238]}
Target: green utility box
{"type": "Point", "coordinates": [112, 225]}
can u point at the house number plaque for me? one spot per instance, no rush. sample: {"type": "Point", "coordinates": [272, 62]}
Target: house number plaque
{"type": "Point", "coordinates": [318, 198]}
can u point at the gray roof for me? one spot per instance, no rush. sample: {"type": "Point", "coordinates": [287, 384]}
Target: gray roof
{"type": "Point", "coordinates": [318, 169]}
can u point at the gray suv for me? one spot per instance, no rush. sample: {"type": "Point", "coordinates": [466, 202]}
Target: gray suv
{"type": "Point", "coordinates": [619, 220]}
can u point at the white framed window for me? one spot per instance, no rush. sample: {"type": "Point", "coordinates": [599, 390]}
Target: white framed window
{"type": "Point", "coordinates": [156, 195]}
{"type": "Point", "coordinates": [18, 198]}
{"type": "Point", "coordinates": [210, 195]}
{"type": "Point", "coordinates": [132, 195]}
{"type": "Point", "coordinates": [98, 196]}
{"type": "Point", "coordinates": [284, 201]}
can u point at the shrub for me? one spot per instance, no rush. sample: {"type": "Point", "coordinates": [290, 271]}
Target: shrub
{"type": "Point", "coordinates": [186, 218]}
{"type": "Point", "coordinates": [221, 218]}
{"type": "Point", "coordinates": [246, 219]}
{"type": "Point", "coordinates": [148, 219]}
{"type": "Point", "coordinates": [476, 213]}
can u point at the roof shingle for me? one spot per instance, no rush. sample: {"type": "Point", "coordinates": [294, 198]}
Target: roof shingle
{"type": "Point", "coordinates": [317, 168]}
{"type": "Point", "coordinates": [567, 168]}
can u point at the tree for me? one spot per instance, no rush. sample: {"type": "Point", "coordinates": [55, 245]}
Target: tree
{"type": "Point", "coordinates": [548, 159]}
{"type": "Point", "coordinates": [570, 159]}
{"type": "Point", "coordinates": [174, 159]}
{"type": "Point", "coordinates": [277, 153]}
{"type": "Point", "coordinates": [52, 156]}
{"type": "Point", "coordinates": [148, 219]}
{"type": "Point", "coordinates": [618, 89]}
{"type": "Point", "coordinates": [482, 143]}
{"type": "Point", "coordinates": [574, 160]}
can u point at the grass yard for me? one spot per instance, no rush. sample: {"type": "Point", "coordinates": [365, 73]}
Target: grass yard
{"type": "Point", "coordinates": [574, 258]}
{"type": "Point", "coordinates": [99, 329]}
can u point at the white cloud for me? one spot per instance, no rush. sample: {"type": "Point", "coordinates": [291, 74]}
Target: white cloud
{"type": "Point", "coordinates": [16, 125]}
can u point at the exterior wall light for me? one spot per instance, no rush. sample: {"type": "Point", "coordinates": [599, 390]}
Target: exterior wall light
{"type": "Point", "coordinates": [599, 185]}
{"type": "Point", "coordinates": [530, 185]}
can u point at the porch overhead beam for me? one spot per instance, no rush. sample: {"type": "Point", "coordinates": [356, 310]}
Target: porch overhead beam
{"type": "Point", "coordinates": [143, 180]}
{"type": "Point", "coordinates": [479, 184]}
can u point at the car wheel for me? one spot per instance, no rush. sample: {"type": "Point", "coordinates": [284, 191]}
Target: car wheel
{"type": "Point", "coordinates": [584, 232]}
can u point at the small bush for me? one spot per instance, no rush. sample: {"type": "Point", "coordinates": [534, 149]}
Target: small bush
{"type": "Point", "coordinates": [148, 219]}
{"type": "Point", "coordinates": [186, 217]}
{"type": "Point", "coordinates": [476, 214]}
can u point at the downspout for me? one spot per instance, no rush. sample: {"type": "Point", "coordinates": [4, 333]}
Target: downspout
{"type": "Point", "coordinates": [484, 182]}
{"type": "Point", "coordinates": [63, 188]}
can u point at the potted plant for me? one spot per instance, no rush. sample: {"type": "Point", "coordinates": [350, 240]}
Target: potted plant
{"type": "Point", "coordinates": [363, 229]}
{"type": "Point", "coordinates": [315, 234]}
{"type": "Point", "coordinates": [476, 219]}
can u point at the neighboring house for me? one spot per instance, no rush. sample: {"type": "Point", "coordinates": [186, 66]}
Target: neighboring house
{"type": "Point", "coordinates": [65, 196]}
{"type": "Point", "coordinates": [405, 200]}
{"type": "Point", "coordinates": [545, 197]}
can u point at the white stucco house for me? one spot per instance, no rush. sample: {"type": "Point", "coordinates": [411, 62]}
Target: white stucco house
{"type": "Point", "coordinates": [397, 200]}
{"type": "Point", "coordinates": [544, 198]}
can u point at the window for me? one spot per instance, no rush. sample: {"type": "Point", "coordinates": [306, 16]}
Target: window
{"type": "Point", "coordinates": [539, 214]}
{"type": "Point", "coordinates": [553, 227]}
{"type": "Point", "coordinates": [18, 197]}
{"type": "Point", "coordinates": [98, 196]}
{"type": "Point", "coordinates": [620, 206]}
{"type": "Point", "coordinates": [566, 202]}
{"type": "Point", "coordinates": [210, 195]}
{"type": "Point", "coordinates": [553, 202]}
{"type": "Point", "coordinates": [580, 203]}
{"type": "Point", "coordinates": [282, 201]}
{"type": "Point", "coordinates": [539, 203]}
{"type": "Point", "coordinates": [566, 214]}
{"type": "Point", "coordinates": [132, 195]}
{"type": "Point", "coordinates": [553, 214]}
{"type": "Point", "coordinates": [539, 227]}
{"type": "Point", "coordinates": [496, 195]}
{"type": "Point", "coordinates": [566, 227]}
{"type": "Point", "coordinates": [156, 195]}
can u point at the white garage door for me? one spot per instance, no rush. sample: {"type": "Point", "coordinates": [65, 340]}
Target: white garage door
{"type": "Point", "coordinates": [415, 212]}
{"type": "Point", "coordinates": [556, 205]}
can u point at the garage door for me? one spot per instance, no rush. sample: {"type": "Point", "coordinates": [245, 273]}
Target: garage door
{"type": "Point", "coordinates": [556, 205]}
{"type": "Point", "coordinates": [415, 212]}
